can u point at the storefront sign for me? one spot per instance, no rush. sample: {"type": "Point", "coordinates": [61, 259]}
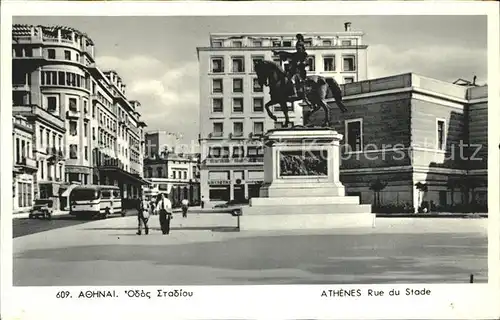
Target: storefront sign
{"type": "Point", "coordinates": [219, 182]}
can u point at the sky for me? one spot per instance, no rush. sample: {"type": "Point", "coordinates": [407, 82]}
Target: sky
{"type": "Point", "coordinates": [156, 56]}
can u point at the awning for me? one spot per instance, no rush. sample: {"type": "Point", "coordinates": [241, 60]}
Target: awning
{"type": "Point", "coordinates": [123, 174]}
{"type": "Point", "coordinates": [67, 192]}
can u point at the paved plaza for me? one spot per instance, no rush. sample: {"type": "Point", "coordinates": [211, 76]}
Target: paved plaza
{"type": "Point", "coordinates": [206, 249]}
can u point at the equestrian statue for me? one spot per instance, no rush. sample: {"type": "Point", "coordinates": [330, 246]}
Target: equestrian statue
{"type": "Point", "coordinates": [294, 84]}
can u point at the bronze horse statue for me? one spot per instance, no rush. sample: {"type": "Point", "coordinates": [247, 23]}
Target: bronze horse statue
{"type": "Point", "coordinates": [280, 88]}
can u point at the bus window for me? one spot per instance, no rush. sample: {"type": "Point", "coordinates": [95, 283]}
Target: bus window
{"type": "Point", "coordinates": [116, 194]}
{"type": "Point", "coordinates": [84, 194]}
{"type": "Point", "coordinates": [106, 194]}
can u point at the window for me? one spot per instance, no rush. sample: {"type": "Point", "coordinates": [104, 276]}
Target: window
{"type": "Point", "coordinates": [329, 64]}
{"type": "Point", "coordinates": [217, 44]}
{"type": "Point", "coordinates": [72, 104]}
{"type": "Point", "coordinates": [51, 53]}
{"type": "Point", "coordinates": [85, 129]}
{"type": "Point", "coordinates": [311, 63]}
{"type": "Point", "coordinates": [77, 57]}
{"type": "Point", "coordinates": [51, 104]}
{"type": "Point", "coordinates": [28, 52]}
{"type": "Point", "coordinates": [217, 105]}
{"type": "Point", "coordinates": [86, 153]}
{"type": "Point", "coordinates": [18, 52]}
{"type": "Point", "coordinates": [257, 43]}
{"type": "Point", "coordinates": [276, 43]}
{"type": "Point", "coordinates": [348, 64]}
{"type": "Point", "coordinates": [72, 128]}
{"type": "Point", "coordinates": [256, 86]}
{"type": "Point", "coordinates": [346, 42]}
{"type": "Point", "coordinates": [217, 65]}
{"type": "Point", "coordinates": [159, 172]}
{"type": "Point", "coordinates": [238, 129]}
{"type": "Point", "coordinates": [174, 174]}
{"type": "Point", "coordinates": [62, 78]}
{"type": "Point", "coordinates": [67, 55]}
{"type": "Point", "coordinates": [354, 132]}
{"type": "Point", "coordinates": [217, 86]}
{"type": "Point", "coordinates": [258, 128]}
{"type": "Point", "coordinates": [238, 151]}
{"type": "Point", "coordinates": [41, 137]}
{"type": "Point", "coordinates": [258, 104]}
{"type": "Point", "coordinates": [348, 80]}
{"type": "Point", "coordinates": [327, 43]}
{"type": "Point", "coordinates": [238, 85]}
{"type": "Point", "coordinates": [185, 175]}
{"type": "Point", "coordinates": [73, 151]}
{"type": "Point", "coordinates": [238, 65]}
{"type": "Point", "coordinates": [237, 44]}
{"type": "Point", "coordinates": [256, 59]}
{"type": "Point", "coordinates": [287, 43]}
{"type": "Point", "coordinates": [440, 134]}
{"type": "Point", "coordinates": [93, 133]}
{"type": "Point", "coordinates": [308, 43]}
{"type": "Point", "coordinates": [218, 129]}
{"type": "Point", "coordinates": [47, 138]}
{"type": "Point", "coordinates": [85, 109]}
{"type": "Point", "coordinates": [238, 105]}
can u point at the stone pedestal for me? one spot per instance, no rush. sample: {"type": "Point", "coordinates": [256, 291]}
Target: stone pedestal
{"type": "Point", "coordinates": [301, 188]}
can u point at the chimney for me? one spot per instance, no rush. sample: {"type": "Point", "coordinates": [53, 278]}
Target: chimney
{"type": "Point", "coordinates": [347, 26]}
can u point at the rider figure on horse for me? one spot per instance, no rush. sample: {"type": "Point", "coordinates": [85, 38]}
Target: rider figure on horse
{"type": "Point", "coordinates": [298, 62]}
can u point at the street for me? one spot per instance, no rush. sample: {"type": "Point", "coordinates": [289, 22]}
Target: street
{"type": "Point", "coordinates": [25, 226]}
{"type": "Point", "coordinates": [206, 249]}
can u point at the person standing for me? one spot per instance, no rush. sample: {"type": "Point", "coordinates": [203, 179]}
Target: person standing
{"type": "Point", "coordinates": [185, 206]}
{"type": "Point", "coordinates": [143, 216]}
{"type": "Point", "coordinates": [164, 208]}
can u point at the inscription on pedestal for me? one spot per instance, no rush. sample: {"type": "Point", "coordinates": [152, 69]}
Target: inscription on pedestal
{"type": "Point", "coordinates": [303, 163]}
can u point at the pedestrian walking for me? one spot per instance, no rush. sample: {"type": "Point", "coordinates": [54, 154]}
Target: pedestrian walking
{"type": "Point", "coordinates": [185, 206]}
{"type": "Point", "coordinates": [143, 213]}
{"type": "Point", "coordinates": [164, 208]}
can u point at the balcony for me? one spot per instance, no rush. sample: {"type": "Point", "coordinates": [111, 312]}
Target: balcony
{"type": "Point", "coordinates": [72, 113]}
{"type": "Point", "coordinates": [40, 114]}
{"type": "Point", "coordinates": [236, 135]}
{"type": "Point", "coordinates": [21, 87]}
{"type": "Point", "coordinates": [235, 161]}
{"type": "Point", "coordinates": [216, 135]}
{"type": "Point", "coordinates": [27, 163]}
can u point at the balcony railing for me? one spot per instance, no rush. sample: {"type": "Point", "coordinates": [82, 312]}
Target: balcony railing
{"type": "Point", "coordinates": [235, 160]}
{"type": "Point", "coordinates": [38, 112]}
{"type": "Point", "coordinates": [216, 135]}
{"type": "Point", "coordinates": [27, 162]}
{"type": "Point", "coordinates": [20, 87]}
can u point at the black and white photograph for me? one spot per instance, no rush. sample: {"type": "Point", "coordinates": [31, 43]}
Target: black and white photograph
{"type": "Point", "coordinates": [248, 150]}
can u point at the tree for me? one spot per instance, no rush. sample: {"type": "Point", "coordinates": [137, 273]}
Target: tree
{"type": "Point", "coordinates": [377, 186]}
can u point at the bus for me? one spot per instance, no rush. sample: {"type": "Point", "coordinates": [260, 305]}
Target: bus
{"type": "Point", "coordinates": [95, 201]}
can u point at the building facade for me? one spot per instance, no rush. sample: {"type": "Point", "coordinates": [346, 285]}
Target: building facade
{"type": "Point", "coordinates": [176, 175]}
{"type": "Point", "coordinates": [24, 165]}
{"type": "Point", "coordinates": [85, 130]}
{"type": "Point", "coordinates": [232, 115]}
{"type": "Point", "coordinates": [158, 142]}
{"type": "Point", "coordinates": [423, 140]}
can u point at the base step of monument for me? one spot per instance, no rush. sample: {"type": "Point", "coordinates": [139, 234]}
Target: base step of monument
{"type": "Point", "coordinates": [306, 221]}
{"type": "Point", "coordinates": [332, 208]}
{"type": "Point", "coordinates": [292, 201]}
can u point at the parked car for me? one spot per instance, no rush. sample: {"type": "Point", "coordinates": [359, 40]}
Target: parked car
{"type": "Point", "coordinates": [42, 208]}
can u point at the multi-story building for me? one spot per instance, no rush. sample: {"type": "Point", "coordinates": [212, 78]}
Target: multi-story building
{"type": "Point", "coordinates": [176, 175]}
{"type": "Point", "coordinates": [85, 130]}
{"type": "Point", "coordinates": [232, 115]}
{"type": "Point", "coordinates": [158, 141]}
{"type": "Point", "coordinates": [24, 165]}
{"type": "Point", "coordinates": [417, 138]}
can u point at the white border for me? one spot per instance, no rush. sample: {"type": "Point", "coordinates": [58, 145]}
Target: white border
{"type": "Point", "coordinates": [244, 302]}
